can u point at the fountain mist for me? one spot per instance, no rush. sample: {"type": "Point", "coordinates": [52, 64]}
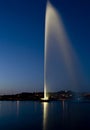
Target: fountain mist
{"type": "Point", "coordinates": [54, 28]}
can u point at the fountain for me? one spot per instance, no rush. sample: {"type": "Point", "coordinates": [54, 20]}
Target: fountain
{"type": "Point", "coordinates": [54, 28]}
{"type": "Point", "coordinates": [45, 53]}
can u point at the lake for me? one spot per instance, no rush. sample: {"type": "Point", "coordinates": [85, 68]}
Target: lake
{"type": "Point", "coordinates": [56, 115]}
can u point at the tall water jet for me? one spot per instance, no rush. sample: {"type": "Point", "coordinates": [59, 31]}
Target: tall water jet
{"type": "Point", "coordinates": [45, 49]}
{"type": "Point", "coordinates": [49, 17]}
{"type": "Point", "coordinates": [54, 29]}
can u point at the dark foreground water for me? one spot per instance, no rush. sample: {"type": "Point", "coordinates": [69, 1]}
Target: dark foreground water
{"type": "Point", "coordinates": [27, 115]}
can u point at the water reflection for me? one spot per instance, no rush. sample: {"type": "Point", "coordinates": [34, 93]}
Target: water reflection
{"type": "Point", "coordinates": [63, 105]}
{"type": "Point", "coordinates": [62, 115]}
{"type": "Point", "coordinates": [48, 113]}
{"type": "Point", "coordinates": [63, 111]}
{"type": "Point", "coordinates": [0, 105]}
{"type": "Point", "coordinates": [18, 103]}
{"type": "Point", "coordinates": [45, 115]}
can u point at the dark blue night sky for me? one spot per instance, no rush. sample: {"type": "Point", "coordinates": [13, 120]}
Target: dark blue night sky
{"type": "Point", "coordinates": [22, 41]}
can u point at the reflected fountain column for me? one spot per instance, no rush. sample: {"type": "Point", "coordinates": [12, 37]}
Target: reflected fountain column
{"type": "Point", "coordinates": [65, 113]}
{"type": "Point", "coordinates": [0, 107]}
{"type": "Point", "coordinates": [45, 114]}
{"type": "Point", "coordinates": [63, 106]}
{"type": "Point", "coordinates": [18, 103]}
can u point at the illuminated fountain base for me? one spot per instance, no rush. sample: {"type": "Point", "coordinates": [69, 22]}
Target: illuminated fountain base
{"type": "Point", "coordinates": [46, 99]}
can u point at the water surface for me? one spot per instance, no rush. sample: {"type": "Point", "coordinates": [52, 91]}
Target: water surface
{"type": "Point", "coordinates": [27, 115]}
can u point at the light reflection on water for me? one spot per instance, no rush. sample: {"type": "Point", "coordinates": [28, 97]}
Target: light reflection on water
{"type": "Point", "coordinates": [27, 115]}
{"type": "Point", "coordinates": [17, 103]}
{"type": "Point", "coordinates": [66, 115]}
{"type": "Point", "coordinates": [47, 107]}
{"type": "Point", "coordinates": [63, 106]}
{"type": "Point", "coordinates": [45, 114]}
